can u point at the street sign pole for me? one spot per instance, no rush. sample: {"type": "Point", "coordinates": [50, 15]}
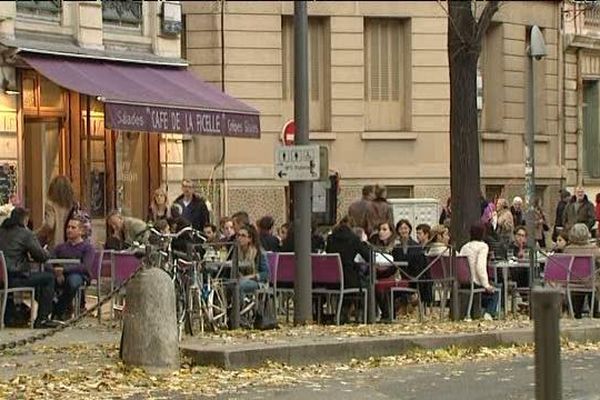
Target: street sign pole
{"type": "Point", "coordinates": [302, 189]}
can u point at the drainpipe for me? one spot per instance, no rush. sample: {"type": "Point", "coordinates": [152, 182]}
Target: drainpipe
{"type": "Point", "coordinates": [579, 134]}
{"type": "Point", "coordinates": [560, 95]}
{"type": "Point", "coordinates": [223, 209]}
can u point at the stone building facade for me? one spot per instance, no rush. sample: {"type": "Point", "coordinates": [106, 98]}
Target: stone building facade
{"type": "Point", "coordinates": [379, 97]}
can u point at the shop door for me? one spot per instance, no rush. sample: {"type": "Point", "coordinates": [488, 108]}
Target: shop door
{"type": "Point", "coordinates": [44, 159]}
{"type": "Point", "coordinates": [137, 171]}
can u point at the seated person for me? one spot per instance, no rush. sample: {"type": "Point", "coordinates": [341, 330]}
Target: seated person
{"type": "Point", "coordinates": [518, 247]}
{"type": "Point", "coordinates": [384, 242]}
{"type": "Point", "coordinates": [18, 245]}
{"type": "Point", "coordinates": [440, 239]}
{"type": "Point", "coordinates": [252, 260]}
{"type": "Point", "coordinates": [344, 241]}
{"type": "Point", "coordinates": [268, 241]}
{"type": "Point", "coordinates": [412, 252]}
{"type": "Point", "coordinates": [579, 243]}
{"type": "Point", "coordinates": [476, 252]}
{"type": "Point", "coordinates": [70, 277]}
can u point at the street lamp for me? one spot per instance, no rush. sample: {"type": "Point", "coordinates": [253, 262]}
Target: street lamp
{"type": "Point", "coordinates": [536, 51]}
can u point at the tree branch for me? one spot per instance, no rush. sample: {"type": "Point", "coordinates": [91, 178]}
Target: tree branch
{"type": "Point", "coordinates": [486, 18]}
{"type": "Point", "coordinates": [451, 21]}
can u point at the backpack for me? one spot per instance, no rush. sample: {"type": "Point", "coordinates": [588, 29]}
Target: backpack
{"type": "Point", "coordinates": [78, 212]}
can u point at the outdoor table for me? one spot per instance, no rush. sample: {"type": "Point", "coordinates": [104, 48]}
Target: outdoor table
{"type": "Point", "coordinates": [505, 265]}
{"type": "Point", "coordinates": [59, 262]}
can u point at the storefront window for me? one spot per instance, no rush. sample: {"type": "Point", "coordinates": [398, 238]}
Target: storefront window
{"type": "Point", "coordinates": [130, 180]}
{"type": "Point", "coordinates": [51, 95]}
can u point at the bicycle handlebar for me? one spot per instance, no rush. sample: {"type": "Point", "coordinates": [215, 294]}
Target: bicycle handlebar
{"type": "Point", "coordinates": [178, 234]}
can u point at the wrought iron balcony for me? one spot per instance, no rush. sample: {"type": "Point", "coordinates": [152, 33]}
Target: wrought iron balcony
{"type": "Point", "coordinates": [35, 7]}
{"type": "Point", "coordinates": [122, 12]}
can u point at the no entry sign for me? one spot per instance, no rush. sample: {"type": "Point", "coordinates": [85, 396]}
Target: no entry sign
{"type": "Point", "coordinates": [288, 133]}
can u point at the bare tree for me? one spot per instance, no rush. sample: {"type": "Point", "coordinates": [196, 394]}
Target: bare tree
{"type": "Point", "coordinates": [465, 34]}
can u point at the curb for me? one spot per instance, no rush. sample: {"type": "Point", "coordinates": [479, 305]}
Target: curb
{"type": "Point", "coordinates": [336, 350]}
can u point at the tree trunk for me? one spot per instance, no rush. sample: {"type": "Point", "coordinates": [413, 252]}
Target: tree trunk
{"type": "Point", "coordinates": [464, 138]}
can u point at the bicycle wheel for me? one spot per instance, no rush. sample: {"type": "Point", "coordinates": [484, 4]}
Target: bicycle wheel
{"type": "Point", "coordinates": [215, 305]}
{"type": "Point", "coordinates": [195, 318]}
{"type": "Point", "coordinates": [180, 305]}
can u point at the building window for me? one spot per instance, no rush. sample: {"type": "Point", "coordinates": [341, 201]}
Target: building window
{"type": "Point", "coordinates": [318, 70]}
{"type": "Point", "coordinates": [591, 130]}
{"type": "Point", "coordinates": [39, 8]}
{"type": "Point", "coordinates": [399, 192]}
{"type": "Point", "coordinates": [540, 87]}
{"type": "Point", "coordinates": [127, 13]}
{"type": "Point", "coordinates": [490, 85]}
{"type": "Point", "coordinates": [386, 60]}
{"type": "Point", "coordinates": [493, 192]}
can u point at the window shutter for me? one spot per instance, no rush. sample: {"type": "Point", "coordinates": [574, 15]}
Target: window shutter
{"type": "Point", "coordinates": [591, 133]}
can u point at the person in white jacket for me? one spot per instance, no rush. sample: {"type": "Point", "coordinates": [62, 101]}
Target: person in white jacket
{"type": "Point", "coordinates": [476, 252]}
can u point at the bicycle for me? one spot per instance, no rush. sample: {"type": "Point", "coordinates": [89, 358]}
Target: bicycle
{"type": "Point", "coordinates": [172, 262]}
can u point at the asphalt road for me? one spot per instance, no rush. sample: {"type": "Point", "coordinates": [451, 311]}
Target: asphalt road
{"type": "Point", "coordinates": [513, 379]}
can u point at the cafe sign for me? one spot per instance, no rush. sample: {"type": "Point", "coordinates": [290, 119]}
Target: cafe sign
{"type": "Point", "coordinates": [130, 117]}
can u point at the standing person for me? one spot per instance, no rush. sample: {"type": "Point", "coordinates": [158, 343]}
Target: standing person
{"type": "Point", "coordinates": [517, 211]}
{"type": "Point", "coordinates": [194, 207]}
{"type": "Point", "coordinates": [159, 206]}
{"type": "Point", "coordinates": [19, 245]}
{"type": "Point", "coordinates": [70, 277]}
{"type": "Point", "coordinates": [59, 204]}
{"type": "Point", "coordinates": [560, 211]}
{"type": "Point", "coordinates": [382, 209]}
{"type": "Point", "coordinates": [505, 224]}
{"type": "Point", "coordinates": [268, 241]}
{"type": "Point", "coordinates": [360, 212]}
{"type": "Point", "coordinates": [446, 213]}
{"type": "Point", "coordinates": [122, 231]}
{"type": "Point", "coordinates": [579, 210]}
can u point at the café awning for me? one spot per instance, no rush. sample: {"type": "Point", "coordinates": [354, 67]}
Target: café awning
{"type": "Point", "coordinates": [151, 98]}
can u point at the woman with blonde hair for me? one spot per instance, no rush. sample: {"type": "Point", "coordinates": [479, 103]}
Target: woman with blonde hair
{"type": "Point", "coordinates": [59, 204]}
{"type": "Point", "coordinates": [440, 239]}
{"type": "Point", "coordinates": [159, 206]}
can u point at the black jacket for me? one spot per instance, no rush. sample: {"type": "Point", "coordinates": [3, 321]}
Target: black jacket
{"type": "Point", "coordinates": [17, 244]}
{"type": "Point", "coordinates": [414, 255]}
{"type": "Point", "coordinates": [269, 242]}
{"type": "Point", "coordinates": [196, 212]}
{"type": "Point", "coordinates": [343, 241]}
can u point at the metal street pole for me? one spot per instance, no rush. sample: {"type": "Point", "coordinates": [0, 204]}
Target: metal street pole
{"type": "Point", "coordinates": [302, 190]}
{"type": "Point", "coordinates": [547, 308]}
{"type": "Point", "coordinates": [536, 51]}
{"type": "Point", "coordinates": [530, 170]}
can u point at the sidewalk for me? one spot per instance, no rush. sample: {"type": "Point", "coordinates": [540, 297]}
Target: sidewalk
{"type": "Point", "coordinates": [83, 360]}
{"type": "Point", "coordinates": [321, 344]}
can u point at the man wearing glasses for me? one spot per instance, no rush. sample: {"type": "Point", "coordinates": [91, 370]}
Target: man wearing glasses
{"type": "Point", "coordinates": [194, 207]}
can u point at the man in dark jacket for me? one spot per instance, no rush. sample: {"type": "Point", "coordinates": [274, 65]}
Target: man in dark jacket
{"type": "Point", "coordinates": [194, 207]}
{"type": "Point", "coordinates": [560, 210]}
{"type": "Point", "coordinates": [19, 244]}
{"type": "Point", "coordinates": [579, 210]}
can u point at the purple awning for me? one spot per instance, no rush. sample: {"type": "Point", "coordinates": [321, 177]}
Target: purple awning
{"type": "Point", "coordinates": [151, 98]}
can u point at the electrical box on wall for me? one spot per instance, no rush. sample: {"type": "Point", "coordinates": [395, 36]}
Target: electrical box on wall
{"type": "Point", "coordinates": [171, 18]}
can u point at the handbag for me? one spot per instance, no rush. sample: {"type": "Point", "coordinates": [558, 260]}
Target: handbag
{"type": "Point", "coordinates": [266, 314]}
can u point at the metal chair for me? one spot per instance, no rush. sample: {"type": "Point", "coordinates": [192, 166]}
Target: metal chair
{"type": "Point", "coordinates": [5, 290]}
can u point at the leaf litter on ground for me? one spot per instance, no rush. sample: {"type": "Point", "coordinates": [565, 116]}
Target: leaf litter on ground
{"type": "Point", "coordinates": [95, 371]}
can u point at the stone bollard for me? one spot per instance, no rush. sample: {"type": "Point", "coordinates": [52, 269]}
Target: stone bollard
{"type": "Point", "coordinates": [149, 337]}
